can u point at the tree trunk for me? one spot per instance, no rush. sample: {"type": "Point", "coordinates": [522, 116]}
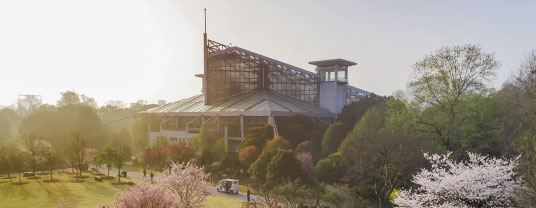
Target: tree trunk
{"type": "Point", "coordinates": [33, 164]}
{"type": "Point", "coordinates": [20, 182]}
{"type": "Point", "coordinates": [108, 171]}
{"type": "Point", "coordinates": [119, 176]}
{"type": "Point", "coordinates": [51, 171]}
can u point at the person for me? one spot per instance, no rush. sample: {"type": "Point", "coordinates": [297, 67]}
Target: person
{"type": "Point", "coordinates": [247, 194]}
{"type": "Point", "coordinates": [144, 173]}
{"type": "Point", "coordinates": [151, 175]}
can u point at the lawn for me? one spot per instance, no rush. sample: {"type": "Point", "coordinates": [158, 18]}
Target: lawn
{"type": "Point", "coordinates": [220, 201]}
{"type": "Point", "coordinates": [89, 193]}
{"type": "Point", "coordinates": [37, 193]}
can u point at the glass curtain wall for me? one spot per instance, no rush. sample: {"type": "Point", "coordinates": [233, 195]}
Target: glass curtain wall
{"type": "Point", "coordinates": [236, 72]}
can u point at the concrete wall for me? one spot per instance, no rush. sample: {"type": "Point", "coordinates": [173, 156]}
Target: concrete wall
{"type": "Point", "coordinates": [332, 96]}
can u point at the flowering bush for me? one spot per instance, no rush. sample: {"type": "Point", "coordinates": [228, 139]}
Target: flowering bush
{"type": "Point", "coordinates": [480, 182]}
{"type": "Point", "coordinates": [144, 196]}
{"type": "Point", "coordinates": [306, 162]}
{"type": "Point", "coordinates": [187, 182]}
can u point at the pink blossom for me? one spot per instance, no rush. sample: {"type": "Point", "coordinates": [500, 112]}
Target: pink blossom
{"type": "Point", "coordinates": [187, 182]}
{"type": "Point", "coordinates": [144, 196]}
{"type": "Point", "coordinates": [306, 162]}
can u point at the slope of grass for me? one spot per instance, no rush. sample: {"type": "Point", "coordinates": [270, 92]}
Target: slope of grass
{"type": "Point", "coordinates": [89, 193]}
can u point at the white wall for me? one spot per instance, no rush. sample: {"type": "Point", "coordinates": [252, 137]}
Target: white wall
{"type": "Point", "coordinates": [332, 96]}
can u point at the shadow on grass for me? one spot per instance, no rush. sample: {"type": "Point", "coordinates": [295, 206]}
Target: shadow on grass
{"type": "Point", "coordinates": [50, 194]}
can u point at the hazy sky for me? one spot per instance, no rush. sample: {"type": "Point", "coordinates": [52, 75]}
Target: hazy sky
{"type": "Point", "coordinates": [133, 49]}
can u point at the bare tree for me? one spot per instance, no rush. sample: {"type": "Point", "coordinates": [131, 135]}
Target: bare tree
{"type": "Point", "coordinates": [6, 156]}
{"type": "Point", "coordinates": [30, 142]}
{"type": "Point", "coordinates": [77, 146]}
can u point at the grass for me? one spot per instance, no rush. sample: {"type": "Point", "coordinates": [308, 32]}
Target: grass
{"type": "Point", "coordinates": [220, 201]}
{"type": "Point", "coordinates": [37, 193]}
{"type": "Point", "coordinates": [89, 193]}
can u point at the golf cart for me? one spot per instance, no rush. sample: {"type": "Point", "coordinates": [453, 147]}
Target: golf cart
{"type": "Point", "coordinates": [228, 185]}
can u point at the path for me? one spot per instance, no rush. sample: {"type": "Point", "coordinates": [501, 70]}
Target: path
{"type": "Point", "coordinates": [240, 196]}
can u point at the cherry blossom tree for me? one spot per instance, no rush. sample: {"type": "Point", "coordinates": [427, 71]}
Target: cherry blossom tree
{"type": "Point", "coordinates": [144, 196]}
{"type": "Point", "coordinates": [479, 182]}
{"type": "Point", "coordinates": [306, 163]}
{"type": "Point", "coordinates": [187, 182]}
{"type": "Point", "coordinates": [47, 155]}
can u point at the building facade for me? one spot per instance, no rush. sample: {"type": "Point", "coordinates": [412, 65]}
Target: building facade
{"type": "Point", "coordinates": [242, 89]}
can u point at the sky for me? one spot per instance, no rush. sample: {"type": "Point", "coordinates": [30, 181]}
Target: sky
{"type": "Point", "coordinates": [144, 49]}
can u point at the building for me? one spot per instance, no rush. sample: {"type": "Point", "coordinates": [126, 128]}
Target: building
{"type": "Point", "coordinates": [242, 89]}
{"type": "Point", "coordinates": [27, 102]}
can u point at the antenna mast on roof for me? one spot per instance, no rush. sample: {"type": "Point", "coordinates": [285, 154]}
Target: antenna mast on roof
{"type": "Point", "coordinates": [205, 61]}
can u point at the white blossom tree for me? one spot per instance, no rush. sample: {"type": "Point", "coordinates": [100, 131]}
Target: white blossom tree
{"type": "Point", "coordinates": [479, 182]}
{"type": "Point", "coordinates": [187, 182]}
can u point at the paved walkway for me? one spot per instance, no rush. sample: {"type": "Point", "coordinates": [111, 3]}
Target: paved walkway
{"type": "Point", "coordinates": [240, 196]}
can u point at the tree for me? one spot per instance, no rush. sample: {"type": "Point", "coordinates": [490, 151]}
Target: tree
{"type": "Point", "coordinates": [9, 123]}
{"type": "Point", "coordinates": [77, 146]}
{"type": "Point", "coordinates": [368, 127]}
{"type": "Point", "coordinates": [331, 169]}
{"type": "Point", "coordinates": [17, 157]}
{"type": "Point", "coordinates": [293, 194]}
{"type": "Point", "coordinates": [5, 128]}
{"type": "Point", "coordinates": [34, 147]}
{"type": "Point", "coordinates": [306, 164]}
{"type": "Point", "coordinates": [299, 128]}
{"type": "Point", "coordinates": [308, 146]}
{"type": "Point", "coordinates": [278, 143]}
{"type": "Point", "coordinates": [124, 138]}
{"type": "Point", "coordinates": [59, 125]}
{"type": "Point", "coordinates": [520, 95]}
{"type": "Point", "coordinates": [119, 160]}
{"type": "Point", "coordinates": [479, 182]}
{"type": "Point", "coordinates": [179, 152]}
{"type": "Point", "coordinates": [69, 98]}
{"type": "Point", "coordinates": [161, 142]}
{"type": "Point", "coordinates": [187, 182]}
{"type": "Point", "coordinates": [88, 101]}
{"type": "Point", "coordinates": [441, 82]}
{"type": "Point", "coordinates": [7, 155]}
{"type": "Point", "coordinates": [379, 159]}
{"type": "Point", "coordinates": [144, 196]}
{"type": "Point", "coordinates": [333, 138]}
{"type": "Point", "coordinates": [339, 196]}
{"type": "Point", "coordinates": [257, 136]}
{"type": "Point", "coordinates": [352, 113]}
{"type": "Point", "coordinates": [248, 155]}
{"type": "Point", "coordinates": [283, 166]}
{"type": "Point", "coordinates": [208, 145]}
{"type": "Point", "coordinates": [107, 157]}
{"type": "Point", "coordinates": [258, 168]}
{"type": "Point", "coordinates": [47, 155]}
